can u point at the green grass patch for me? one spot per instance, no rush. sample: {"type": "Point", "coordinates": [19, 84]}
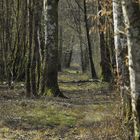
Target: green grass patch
{"type": "Point", "coordinates": [84, 86]}
{"type": "Point", "coordinates": [72, 75]}
{"type": "Point", "coordinates": [50, 116]}
{"type": "Point", "coordinates": [89, 113]}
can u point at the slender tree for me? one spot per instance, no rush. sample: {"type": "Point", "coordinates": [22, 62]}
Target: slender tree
{"type": "Point", "coordinates": [93, 72]}
{"type": "Point", "coordinates": [28, 68]}
{"type": "Point", "coordinates": [105, 60]}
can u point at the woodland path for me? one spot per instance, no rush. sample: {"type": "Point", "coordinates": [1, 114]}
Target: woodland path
{"type": "Point", "coordinates": [91, 113]}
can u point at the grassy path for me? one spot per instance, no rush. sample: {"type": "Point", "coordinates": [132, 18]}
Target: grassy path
{"type": "Point", "coordinates": [91, 113]}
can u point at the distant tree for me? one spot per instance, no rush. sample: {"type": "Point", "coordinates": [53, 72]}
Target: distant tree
{"type": "Point", "coordinates": [60, 47]}
{"type": "Point", "coordinates": [105, 64]}
{"type": "Point", "coordinates": [92, 67]}
{"type": "Point", "coordinates": [29, 57]}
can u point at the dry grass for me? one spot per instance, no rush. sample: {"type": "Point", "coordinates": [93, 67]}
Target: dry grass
{"type": "Point", "coordinates": [91, 113]}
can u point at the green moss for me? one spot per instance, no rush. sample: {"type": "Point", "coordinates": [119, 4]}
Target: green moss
{"type": "Point", "coordinates": [5, 130]}
{"type": "Point", "coordinates": [50, 92]}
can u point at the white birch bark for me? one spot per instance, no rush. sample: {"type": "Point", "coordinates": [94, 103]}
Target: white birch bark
{"type": "Point", "coordinates": [119, 47]}
{"type": "Point", "coordinates": [132, 22]}
{"type": "Point", "coordinates": [117, 18]}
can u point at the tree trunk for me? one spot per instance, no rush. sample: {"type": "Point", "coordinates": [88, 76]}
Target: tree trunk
{"type": "Point", "coordinates": [93, 72]}
{"type": "Point", "coordinates": [60, 48]}
{"type": "Point", "coordinates": [28, 68]}
{"type": "Point", "coordinates": [50, 67]}
{"type": "Point", "coordinates": [105, 63]}
{"type": "Point", "coordinates": [117, 17]}
{"type": "Point", "coordinates": [132, 22]}
{"type": "Point", "coordinates": [68, 54]}
{"type": "Point", "coordinates": [122, 69]}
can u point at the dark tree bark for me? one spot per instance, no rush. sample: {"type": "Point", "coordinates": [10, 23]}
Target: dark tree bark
{"type": "Point", "coordinates": [49, 85]}
{"type": "Point", "coordinates": [93, 72]}
{"type": "Point", "coordinates": [28, 68]}
{"type": "Point", "coordinates": [68, 54]}
{"type": "Point", "coordinates": [131, 14]}
{"type": "Point", "coordinates": [105, 63]}
{"type": "Point", "coordinates": [60, 48]}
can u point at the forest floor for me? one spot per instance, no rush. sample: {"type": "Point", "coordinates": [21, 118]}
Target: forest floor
{"type": "Point", "coordinates": [91, 113]}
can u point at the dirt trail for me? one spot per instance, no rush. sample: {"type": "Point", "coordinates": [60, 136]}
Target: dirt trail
{"type": "Point", "coordinates": [91, 113]}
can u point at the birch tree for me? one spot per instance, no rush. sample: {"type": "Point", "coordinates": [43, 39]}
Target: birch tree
{"type": "Point", "coordinates": [117, 18]}
{"type": "Point", "coordinates": [131, 14]}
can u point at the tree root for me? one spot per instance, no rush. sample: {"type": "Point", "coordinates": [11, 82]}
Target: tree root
{"type": "Point", "coordinates": [61, 95]}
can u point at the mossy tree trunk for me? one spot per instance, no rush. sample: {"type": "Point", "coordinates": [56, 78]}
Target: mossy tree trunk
{"type": "Point", "coordinates": [49, 84]}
